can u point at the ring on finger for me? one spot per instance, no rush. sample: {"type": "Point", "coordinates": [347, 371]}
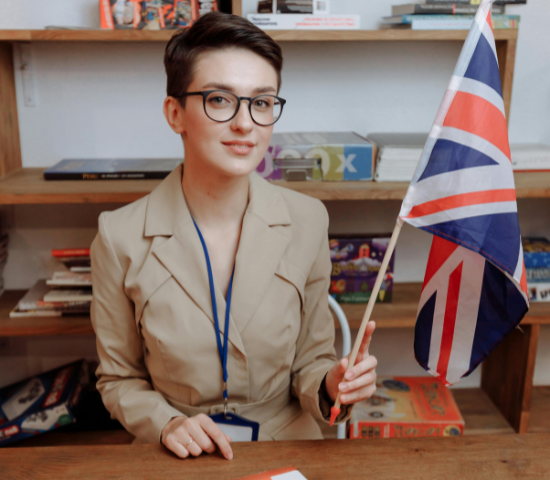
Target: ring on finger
{"type": "Point", "coordinates": [190, 442]}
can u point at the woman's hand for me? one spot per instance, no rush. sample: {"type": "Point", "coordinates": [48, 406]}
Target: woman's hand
{"type": "Point", "coordinates": [179, 431]}
{"type": "Point", "coordinates": [360, 382]}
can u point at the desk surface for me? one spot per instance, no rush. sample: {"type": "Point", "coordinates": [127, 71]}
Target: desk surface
{"type": "Point", "coordinates": [483, 457]}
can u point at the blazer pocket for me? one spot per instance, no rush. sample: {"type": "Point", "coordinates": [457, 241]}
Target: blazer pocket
{"type": "Point", "coordinates": [293, 275]}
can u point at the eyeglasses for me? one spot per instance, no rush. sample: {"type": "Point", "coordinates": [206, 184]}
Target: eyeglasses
{"type": "Point", "coordinates": [222, 106]}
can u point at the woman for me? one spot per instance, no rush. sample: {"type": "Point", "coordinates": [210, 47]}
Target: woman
{"type": "Point", "coordinates": [215, 233]}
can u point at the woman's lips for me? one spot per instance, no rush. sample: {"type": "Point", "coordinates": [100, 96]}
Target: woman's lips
{"type": "Point", "coordinates": [239, 148]}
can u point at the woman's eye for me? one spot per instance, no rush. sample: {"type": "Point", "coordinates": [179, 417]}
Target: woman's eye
{"type": "Point", "coordinates": [262, 103]}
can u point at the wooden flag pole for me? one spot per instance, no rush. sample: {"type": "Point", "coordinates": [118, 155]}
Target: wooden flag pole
{"type": "Point", "coordinates": [335, 410]}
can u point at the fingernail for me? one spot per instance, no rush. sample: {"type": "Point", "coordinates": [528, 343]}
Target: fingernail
{"type": "Point", "coordinates": [343, 386]}
{"type": "Point", "coordinates": [230, 456]}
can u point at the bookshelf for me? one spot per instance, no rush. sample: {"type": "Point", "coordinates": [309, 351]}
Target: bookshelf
{"type": "Point", "coordinates": [26, 186]}
{"type": "Point", "coordinates": [501, 405]}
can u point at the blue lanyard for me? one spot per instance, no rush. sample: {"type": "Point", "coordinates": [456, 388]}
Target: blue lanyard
{"type": "Point", "coordinates": [222, 350]}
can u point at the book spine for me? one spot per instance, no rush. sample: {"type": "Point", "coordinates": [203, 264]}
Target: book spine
{"type": "Point", "coordinates": [540, 274]}
{"type": "Point", "coordinates": [458, 22]}
{"type": "Point", "coordinates": [446, 9]}
{"type": "Point", "coordinates": [71, 252]}
{"type": "Point", "coordinates": [106, 176]}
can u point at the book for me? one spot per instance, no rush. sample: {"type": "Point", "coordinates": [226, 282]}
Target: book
{"type": "Point", "coordinates": [294, 6]}
{"type": "Point", "coordinates": [447, 22]}
{"type": "Point", "coordinates": [281, 21]}
{"type": "Point", "coordinates": [33, 295]}
{"type": "Point", "coordinates": [73, 295]}
{"type": "Point", "coordinates": [441, 8]}
{"type": "Point", "coordinates": [342, 155]}
{"type": "Point", "coordinates": [530, 157]}
{"type": "Point", "coordinates": [397, 155]}
{"type": "Point", "coordinates": [71, 252]}
{"type": "Point", "coordinates": [70, 279]}
{"type": "Point", "coordinates": [538, 291]}
{"type": "Point", "coordinates": [537, 274]}
{"type": "Point", "coordinates": [536, 252]}
{"type": "Point", "coordinates": [49, 312]}
{"type": "Point", "coordinates": [407, 407]}
{"type": "Point", "coordinates": [111, 169]}
{"type": "Point", "coordinates": [33, 301]}
{"type": "Point", "coordinates": [81, 269]}
{"type": "Point", "coordinates": [71, 262]}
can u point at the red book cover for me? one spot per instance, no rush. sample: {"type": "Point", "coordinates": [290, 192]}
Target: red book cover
{"type": "Point", "coordinates": [71, 252]}
{"type": "Point", "coordinates": [407, 407]}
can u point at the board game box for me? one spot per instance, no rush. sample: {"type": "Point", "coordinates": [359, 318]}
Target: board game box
{"type": "Point", "coordinates": [356, 261]}
{"type": "Point", "coordinates": [407, 407]}
{"type": "Point", "coordinates": [342, 155]}
{"type": "Point", "coordinates": [42, 403]}
{"type": "Point", "coordinates": [536, 252]}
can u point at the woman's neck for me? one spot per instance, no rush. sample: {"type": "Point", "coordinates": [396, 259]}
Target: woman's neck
{"type": "Point", "coordinates": [215, 201]}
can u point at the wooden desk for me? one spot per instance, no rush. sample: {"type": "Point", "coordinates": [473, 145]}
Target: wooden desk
{"type": "Point", "coordinates": [484, 457]}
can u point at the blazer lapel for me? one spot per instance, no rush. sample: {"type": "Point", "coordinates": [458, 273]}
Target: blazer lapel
{"type": "Point", "coordinates": [264, 239]}
{"type": "Point", "coordinates": [182, 254]}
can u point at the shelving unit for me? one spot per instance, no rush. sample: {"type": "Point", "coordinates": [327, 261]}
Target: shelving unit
{"type": "Point", "coordinates": [501, 405]}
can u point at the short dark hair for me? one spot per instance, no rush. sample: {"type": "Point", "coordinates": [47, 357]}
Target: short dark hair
{"type": "Point", "coordinates": [215, 31]}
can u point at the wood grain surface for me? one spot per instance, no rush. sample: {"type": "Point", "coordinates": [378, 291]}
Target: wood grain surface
{"type": "Point", "coordinates": [27, 186]}
{"type": "Point", "coordinates": [278, 35]}
{"type": "Point", "coordinates": [485, 457]}
{"type": "Point", "coordinates": [401, 313]}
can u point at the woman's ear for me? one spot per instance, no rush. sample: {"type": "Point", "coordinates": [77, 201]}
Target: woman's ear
{"type": "Point", "coordinates": [174, 114]}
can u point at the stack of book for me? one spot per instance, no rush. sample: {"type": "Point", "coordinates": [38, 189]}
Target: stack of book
{"type": "Point", "coordinates": [447, 15]}
{"type": "Point", "coordinates": [397, 155]}
{"type": "Point", "coordinates": [67, 292]}
{"type": "Point", "coordinates": [301, 15]}
{"type": "Point", "coordinates": [530, 158]}
{"type": "Point", "coordinates": [536, 255]}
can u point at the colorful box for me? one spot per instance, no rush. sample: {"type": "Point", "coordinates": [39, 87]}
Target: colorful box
{"type": "Point", "coordinates": [343, 155]}
{"type": "Point", "coordinates": [539, 291]}
{"type": "Point", "coordinates": [356, 261]}
{"type": "Point", "coordinates": [42, 403]}
{"type": "Point", "coordinates": [407, 407]}
{"type": "Point", "coordinates": [536, 252]}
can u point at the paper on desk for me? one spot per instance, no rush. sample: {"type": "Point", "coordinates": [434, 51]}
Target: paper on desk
{"type": "Point", "coordinates": [287, 473]}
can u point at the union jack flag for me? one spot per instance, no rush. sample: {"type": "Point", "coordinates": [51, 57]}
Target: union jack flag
{"type": "Point", "coordinates": [463, 192]}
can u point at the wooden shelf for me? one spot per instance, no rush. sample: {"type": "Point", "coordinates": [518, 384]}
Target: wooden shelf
{"type": "Point", "coordinates": [27, 186]}
{"type": "Point", "coordinates": [401, 313]}
{"type": "Point", "coordinates": [278, 35]}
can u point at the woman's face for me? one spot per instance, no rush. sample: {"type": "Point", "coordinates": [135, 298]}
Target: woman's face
{"type": "Point", "coordinates": [236, 147]}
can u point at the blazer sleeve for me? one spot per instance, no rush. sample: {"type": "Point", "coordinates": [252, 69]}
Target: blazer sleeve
{"type": "Point", "coordinates": [315, 353]}
{"type": "Point", "coordinates": [123, 379]}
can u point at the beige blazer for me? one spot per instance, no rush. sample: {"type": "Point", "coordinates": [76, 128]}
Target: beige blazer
{"type": "Point", "coordinates": [152, 314]}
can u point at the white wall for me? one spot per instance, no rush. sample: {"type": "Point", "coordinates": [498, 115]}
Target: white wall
{"type": "Point", "coordinates": [104, 100]}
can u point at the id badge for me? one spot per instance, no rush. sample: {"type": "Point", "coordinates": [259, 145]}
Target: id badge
{"type": "Point", "coordinates": [240, 429]}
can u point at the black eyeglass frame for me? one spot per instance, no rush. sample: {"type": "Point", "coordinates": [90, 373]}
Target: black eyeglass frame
{"type": "Point", "coordinates": [250, 100]}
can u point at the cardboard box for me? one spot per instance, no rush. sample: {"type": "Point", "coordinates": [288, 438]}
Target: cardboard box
{"type": "Point", "coordinates": [407, 407]}
{"type": "Point", "coordinates": [42, 403]}
{"type": "Point", "coordinates": [343, 155]}
{"type": "Point", "coordinates": [536, 252]}
{"type": "Point", "coordinates": [356, 261]}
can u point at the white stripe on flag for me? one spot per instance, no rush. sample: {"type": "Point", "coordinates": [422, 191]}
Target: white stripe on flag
{"type": "Point", "coordinates": [464, 212]}
{"type": "Point", "coordinates": [466, 316]}
{"type": "Point", "coordinates": [477, 143]}
{"type": "Point", "coordinates": [440, 283]}
{"type": "Point", "coordinates": [488, 34]}
{"type": "Point", "coordinates": [469, 180]}
{"type": "Point", "coordinates": [475, 87]}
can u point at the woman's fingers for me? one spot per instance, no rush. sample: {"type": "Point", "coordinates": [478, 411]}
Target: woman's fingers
{"type": "Point", "coordinates": [365, 344]}
{"type": "Point", "coordinates": [217, 435]}
{"type": "Point", "coordinates": [359, 395]}
{"type": "Point", "coordinates": [173, 444]}
{"type": "Point", "coordinates": [367, 378]}
{"type": "Point", "coordinates": [361, 367]}
{"type": "Point", "coordinates": [201, 439]}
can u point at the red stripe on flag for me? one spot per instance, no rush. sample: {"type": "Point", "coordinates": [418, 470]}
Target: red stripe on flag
{"type": "Point", "coordinates": [476, 115]}
{"type": "Point", "coordinates": [523, 281]}
{"type": "Point", "coordinates": [463, 200]}
{"type": "Point", "coordinates": [489, 20]}
{"type": "Point", "coordinates": [440, 251]}
{"type": "Point", "coordinates": [449, 322]}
